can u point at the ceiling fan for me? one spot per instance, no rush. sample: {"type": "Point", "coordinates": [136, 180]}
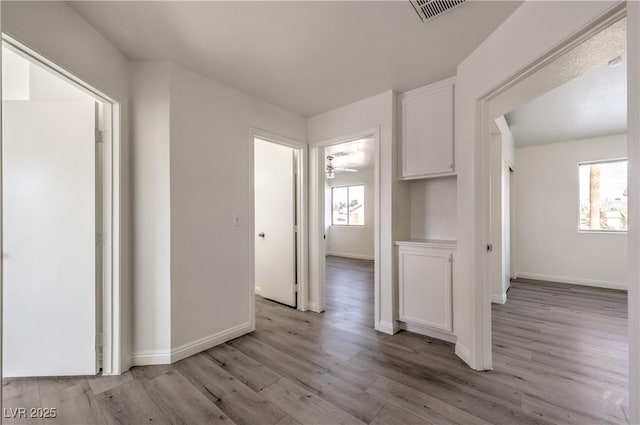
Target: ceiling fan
{"type": "Point", "coordinates": [331, 169]}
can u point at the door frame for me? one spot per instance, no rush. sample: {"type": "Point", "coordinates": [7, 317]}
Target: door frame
{"type": "Point", "coordinates": [111, 297]}
{"type": "Point", "coordinates": [302, 215]}
{"type": "Point", "coordinates": [316, 240]}
{"type": "Point", "coordinates": [482, 298]}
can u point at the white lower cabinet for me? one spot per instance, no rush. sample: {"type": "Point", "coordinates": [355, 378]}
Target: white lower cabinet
{"type": "Point", "coordinates": [425, 277]}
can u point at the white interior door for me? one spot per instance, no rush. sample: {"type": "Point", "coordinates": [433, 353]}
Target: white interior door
{"type": "Point", "coordinates": [49, 251]}
{"type": "Point", "coordinates": [275, 207]}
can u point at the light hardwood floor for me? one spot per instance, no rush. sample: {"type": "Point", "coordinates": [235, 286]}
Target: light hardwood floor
{"type": "Point", "coordinates": [559, 357]}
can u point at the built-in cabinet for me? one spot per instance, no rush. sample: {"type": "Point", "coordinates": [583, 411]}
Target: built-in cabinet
{"type": "Point", "coordinates": [429, 184]}
{"type": "Point", "coordinates": [426, 285]}
{"type": "Point", "coordinates": [426, 131]}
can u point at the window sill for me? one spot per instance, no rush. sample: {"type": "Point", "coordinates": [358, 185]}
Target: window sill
{"type": "Point", "coordinates": [603, 232]}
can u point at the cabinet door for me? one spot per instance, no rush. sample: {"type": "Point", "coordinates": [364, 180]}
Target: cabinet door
{"type": "Point", "coordinates": [427, 131]}
{"type": "Point", "coordinates": [425, 288]}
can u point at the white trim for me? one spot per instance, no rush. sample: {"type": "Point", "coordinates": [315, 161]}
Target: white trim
{"type": "Point", "coordinates": [387, 327]}
{"type": "Point", "coordinates": [633, 155]}
{"type": "Point", "coordinates": [480, 357]}
{"type": "Point", "coordinates": [313, 306]}
{"type": "Point", "coordinates": [317, 250]}
{"type": "Point", "coordinates": [149, 358]}
{"type": "Point", "coordinates": [573, 280]}
{"type": "Point", "coordinates": [194, 347]}
{"type": "Point", "coordinates": [464, 353]}
{"type": "Point", "coordinates": [160, 357]}
{"type": "Point", "coordinates": [499, 299]}
{"type": "Point", "coordinates": [350, 255]}
{"type": "Point", "coordinates": [427, 331]}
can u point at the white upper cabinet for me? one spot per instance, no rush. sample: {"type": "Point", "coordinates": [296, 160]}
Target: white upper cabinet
{"type": "Point", "coordinates": [426, 131]}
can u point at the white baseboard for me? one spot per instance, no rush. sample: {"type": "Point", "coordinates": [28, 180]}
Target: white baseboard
{"type": "Point", "coordinates": [159, 357]}
{"type": "Point", "coordinates": [464, 353]}
{"type": "Point", "coordinates": [194, 347]}
{"type": "Point", "coordinates": [149, 358]}
{"type": "Point", "coordinates": [313, 306]}
{"type": "Point", "coordinates": [349, 255]}
{"type": "Point", "coordinates": [387, 327]}
{"type": "Point", "coordinates": [499, 299]}
{"type": "Point", "coordinates": [573, 280]}
{"type": "Point", "coordinates": [128, 364]}
{"type": "Point", "coordinates": [432, 333]}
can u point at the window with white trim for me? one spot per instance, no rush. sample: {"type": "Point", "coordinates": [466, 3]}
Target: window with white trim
{"type": "Point", "coordinates": [347, 205]}
{"type": "Point", "coordinates": [603, 196]}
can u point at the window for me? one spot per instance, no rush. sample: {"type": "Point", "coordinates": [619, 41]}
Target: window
{"type": "Point", "coordinates": [603, 196]}
{"type": "Point", "coordinates": [348, 206]}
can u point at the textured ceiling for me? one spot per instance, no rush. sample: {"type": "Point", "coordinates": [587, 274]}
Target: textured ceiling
{"type": "Point", "coordinates": [591, 105]}
{"type": "Point", "coordinates": [357, 154]}
{"type": "Point", "coordinates": [308, 57]}
{"type": "Point", "coordinates": [583, 96]}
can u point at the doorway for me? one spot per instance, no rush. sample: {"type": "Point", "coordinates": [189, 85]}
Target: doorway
{"type": "Point", "coordinates": [279, 219]}
{"type": "Point", "coordinates": [559, 132]}
{"type": "Point", "coordinates": [58, 222]}
{"type": "Point", "coordinates": [330, 225]}
{"type": "Point", "coordinates": [350, 233]}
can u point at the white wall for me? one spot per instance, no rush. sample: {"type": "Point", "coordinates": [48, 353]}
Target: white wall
{"type": "Point", "coordinates": [433, 208]}
{"type": "Point", "coordinates": [193, 158]}
{"type": "Point", "coordinates": [378, 111]}
{"type": "Point", "coordinates": [151, 292]}
{"type": "Point", "coordinates": [549, 246]}
{"type": "Point", "coordinates": [354, 241]}
{"type": "Point", "coordinates": [211, 164]}
{"type": "Point", "coordinates": [509, 49]}
{"type": "Point", "coordinates": [58, 33]}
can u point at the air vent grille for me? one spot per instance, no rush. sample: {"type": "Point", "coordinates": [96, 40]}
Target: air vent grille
{"type": "Point", "coordinates": [429, 9]}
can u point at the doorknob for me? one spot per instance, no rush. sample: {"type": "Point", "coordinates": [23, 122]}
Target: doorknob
{"type": "Point", "coordinates": [261, 234]}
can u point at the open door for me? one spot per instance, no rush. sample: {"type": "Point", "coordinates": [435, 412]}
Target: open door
{"type": "Point", "coordinates": [49, 222]}
{"type": "Point", "coordinates": [275, 215]}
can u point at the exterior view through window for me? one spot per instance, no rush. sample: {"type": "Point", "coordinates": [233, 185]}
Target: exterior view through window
{"type": "Point", "coordinates": [603, 196]}
{"type": "Point", "coordinates": [348, 206]}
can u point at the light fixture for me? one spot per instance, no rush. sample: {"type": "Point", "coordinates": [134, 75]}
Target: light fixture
{"type": "Point", "coordinates": [615, 62]}
{"type": "Point", "coordinates": [330, 171]}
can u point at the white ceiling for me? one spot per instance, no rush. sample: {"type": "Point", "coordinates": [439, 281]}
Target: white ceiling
{"type": "Point", "coordinates": [357, 154]}
{"type": "Point", "coordinates": [308, 57]}
{"type": "Point", "coordinates": [591, 105]}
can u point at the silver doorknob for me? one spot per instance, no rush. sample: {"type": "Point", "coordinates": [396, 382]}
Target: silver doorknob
{"type": "Point", "coordinates": [261, 234]}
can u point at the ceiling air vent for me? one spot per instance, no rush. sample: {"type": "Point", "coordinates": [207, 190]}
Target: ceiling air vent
{"type": "Point", "coordinates": [429, 9]}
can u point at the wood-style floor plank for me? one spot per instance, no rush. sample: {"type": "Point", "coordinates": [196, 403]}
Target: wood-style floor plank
{"type": "Point", "coordinates": [250, 372]}
{"type": "Point", "coordinates": [182, 403]}
{"type": "Point", "coordinates": [129, 403]}
{"type": "Point", "coordinates": [306, 407]}
{"type": "Point", "coordinates": [74, 405]}
{"type": "Point", "coordinates": [242, 404]}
